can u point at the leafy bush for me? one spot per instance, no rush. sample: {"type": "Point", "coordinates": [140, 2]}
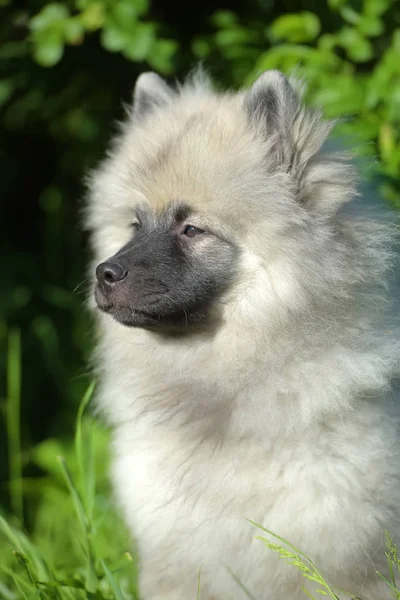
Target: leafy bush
{"type": "Point", "coordinates": [122, 27]}
{"type": "Point", "coordinates": [348, 55]}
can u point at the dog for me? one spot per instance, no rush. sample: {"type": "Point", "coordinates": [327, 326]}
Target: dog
{"type": "Point", "coordinates": [246, 349]}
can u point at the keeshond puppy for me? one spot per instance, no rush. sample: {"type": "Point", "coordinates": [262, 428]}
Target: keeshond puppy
{"type": "Point", "coordinates": [244, 355]}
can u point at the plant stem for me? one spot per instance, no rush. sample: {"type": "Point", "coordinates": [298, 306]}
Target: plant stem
{"type": "Point", "coordinates": [13, 422]}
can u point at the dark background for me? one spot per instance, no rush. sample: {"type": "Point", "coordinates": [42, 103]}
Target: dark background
{"type": "Point", "coordinates": [65, 70]}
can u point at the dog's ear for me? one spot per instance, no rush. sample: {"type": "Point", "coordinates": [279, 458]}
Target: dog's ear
{"type": "Point", "coordinates": [273, 104]}
{"type": "Point", "coordinates": [151, 91]}
{"type": "Point", "coordinates": [295, 134]}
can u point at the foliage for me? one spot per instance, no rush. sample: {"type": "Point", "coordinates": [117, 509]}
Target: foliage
{"type": "Point", "coordinates": [68, 552]}
{"type": "Point", "coordinates": [122, 30]}
{"type": "Point", "coordinates": [348, 55]}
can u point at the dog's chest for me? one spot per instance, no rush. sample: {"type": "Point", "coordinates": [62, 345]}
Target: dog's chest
{"type": "Point", "coordinates": [165, 485]}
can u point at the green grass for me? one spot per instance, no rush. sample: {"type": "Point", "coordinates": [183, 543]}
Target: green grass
{"type": "Point", "coordinates": [77, 546]}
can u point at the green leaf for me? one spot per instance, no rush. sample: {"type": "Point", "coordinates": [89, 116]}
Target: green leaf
{"type": "Point", "coordinates": [350, 15]}
{"type": "Point", "coordinates": [81, 124]}
{"type": "Point", "coordinates": [142, 7]}
{"type": "Point", "coordinates": [93, 16]}
{"type": "Point", "coordinates": [125, 13]}
{"type": "Point", "coordinates": [362, 51]}
{"type": "Point", "coordinates": [129, 9]}
{"type": "Point", "coordinates": [223, 19]}
{"type": "Point", "coordinates": [113, 39]}
{"type": "Point", "coordinates": [396, 40]}
{"type": "Point", "coordinates": [336, 4]}
{"type": "Point", "coordinates": [49, 16]}
{"type": "Point", "coordinates": [296, 27]}
{"type": "Point", "coordinates": [48, 49]}
{"type": "Point", "coordinates": [377, 7]}
{"type": "Point", "coordinates": [201, 48]}
{"type": "Point", "coordinates": [307, 61]}
{"type": "Point", "coordinates": [139, 43]}
{"type": "Point", "coordinates": [357, 47]}
{"type": "Point", "coordinates": [6, 89]}
{"type": "Point", "coordinates": [235, 35]}
{"type": "Point", "coordinates": [48, 55]}
{"type": "Point", "coordinates": [45, 455]}
{"type": "Point", "coordinates": [370, 26]}
{"type": "Point", "coordinates": [162, 54]}
{"type": "Point", "coordinates": [343, 96]}
{"type": "Point", "coordinates": [73, 31]}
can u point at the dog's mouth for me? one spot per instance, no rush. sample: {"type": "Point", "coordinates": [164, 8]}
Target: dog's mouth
{"type": "Point", "coordinates": [102, 301]}
{"type": "Point", "coordinates": [133, 317]}
{"type": "Point", "coordinates": [154, 316]}
{"type": "Point", "coordinates": [123, 313]}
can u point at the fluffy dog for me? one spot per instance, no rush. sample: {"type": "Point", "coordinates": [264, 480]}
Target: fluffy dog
{"type": "Point", "coordinates": [244, 356]}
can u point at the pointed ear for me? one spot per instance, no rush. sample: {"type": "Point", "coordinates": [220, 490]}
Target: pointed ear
{"type": "Point", "coordinates": [273, 103]}
{"type": "Point", "coordinates": [295, 135]}
{"type": "Point", "coordinates": [150, 92]}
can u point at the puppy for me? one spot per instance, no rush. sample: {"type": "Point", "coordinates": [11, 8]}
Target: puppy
{"type": "Point", "coordinates": [244, 354]}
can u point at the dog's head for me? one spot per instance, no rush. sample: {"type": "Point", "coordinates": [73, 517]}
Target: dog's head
{"type": "Point", "coordinates": [204, 194]}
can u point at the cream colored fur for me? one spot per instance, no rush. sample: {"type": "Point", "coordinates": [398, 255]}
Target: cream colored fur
{"type": "Point", "coordinates": [281, 412]}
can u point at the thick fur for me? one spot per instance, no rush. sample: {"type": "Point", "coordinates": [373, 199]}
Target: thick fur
{"type": "Point", "coordinates": [279, 408]}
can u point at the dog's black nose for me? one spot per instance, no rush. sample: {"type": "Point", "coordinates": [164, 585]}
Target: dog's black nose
{"type": "Point", "coordinates": [109, 273]}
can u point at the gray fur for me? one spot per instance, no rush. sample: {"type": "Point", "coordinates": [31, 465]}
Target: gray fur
{"type": "Point", "coordinates": [278, 407]}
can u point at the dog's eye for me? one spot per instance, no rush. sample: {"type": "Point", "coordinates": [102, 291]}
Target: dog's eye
{"type": "Point", "coordinates": [192, 231]}
{"type": "Point", "coordinates": [135, 225]}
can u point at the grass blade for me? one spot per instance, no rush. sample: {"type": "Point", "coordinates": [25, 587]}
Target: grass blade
{"type": "Point", "coordinates": [10, 534]}
{"type": "Point", "coordinates": [310, 572]}
{"type": "Point", "coordinates": [111, 580]}
{"type": "Point", "coordinates": [13, 422]}
{"type": "Point", "coordinates": [21, 586]}
{"type": "Point", "coordinates": [91, 577]}
{"type": "Point", "coordinates": [6, 593]}
{"type": "Point", "coordinates": [389, 584]}
{"type": "Point", "coordinates": [85, 456]}
{"type": "Point", "coordinates": [24, 547]}
{"type": "Point", "coordinates": [79, 509]}
{"type": "Point", "coordinates": [240, 584]}
{"type": "Point", "coordinates": [307, 593]}
{"type": "Point", "coordinates": [198, 585]}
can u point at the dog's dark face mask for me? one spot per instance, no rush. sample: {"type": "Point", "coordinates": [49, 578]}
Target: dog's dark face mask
{"type": "Point", "coordinates": [169, 274]}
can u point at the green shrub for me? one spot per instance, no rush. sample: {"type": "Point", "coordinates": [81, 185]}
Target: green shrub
{"type": "Point", "coordinates": [347, 52]}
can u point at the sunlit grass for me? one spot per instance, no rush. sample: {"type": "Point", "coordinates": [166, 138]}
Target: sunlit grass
{"type": "Point", "coordinates": [77, 546]}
